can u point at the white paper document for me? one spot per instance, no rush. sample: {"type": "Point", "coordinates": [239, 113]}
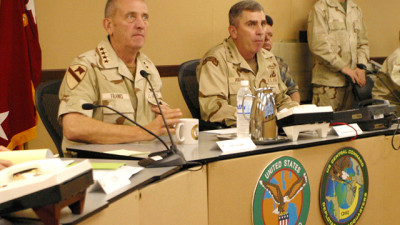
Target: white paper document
{"type": "Point", "coordinates": [347, 131]}
{"type": "Point", "coordinates": [112, 180]}
{"type": "Point", "coordinates": [237, 145]}
{"type": "Point", "coordinates": [222, 131]}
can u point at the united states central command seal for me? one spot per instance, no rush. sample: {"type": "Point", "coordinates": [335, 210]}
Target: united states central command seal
{"type": "Point", "coordinates": [344, 187]}
{"type": "Point", "coordinates": [282, 194]}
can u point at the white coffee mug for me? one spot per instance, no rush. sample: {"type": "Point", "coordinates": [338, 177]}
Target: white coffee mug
{"type": "Point", "coordinates": [187, 131]}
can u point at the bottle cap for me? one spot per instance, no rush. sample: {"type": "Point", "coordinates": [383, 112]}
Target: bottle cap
{"type": "Point", "coordinates": [244, 83]}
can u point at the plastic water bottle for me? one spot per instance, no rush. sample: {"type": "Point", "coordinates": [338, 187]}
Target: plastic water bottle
{"type": "Point", "coordinates": [242, 124]}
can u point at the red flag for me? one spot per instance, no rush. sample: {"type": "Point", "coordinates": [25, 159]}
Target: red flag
{"type": "Point", "coordinates": [20, 69]}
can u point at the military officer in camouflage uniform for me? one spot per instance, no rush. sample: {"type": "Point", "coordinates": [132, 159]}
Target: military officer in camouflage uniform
{"type": "Point", "coordinates": [239, 57]}
{"type": "Point", "coordinates": [292, 87]}
{"type": "Point", "coordinates": [390, 74]}
{"type": "Point", "coordinates": [337, 37]}
{"type": "Point", "coordinates": [110, 75]}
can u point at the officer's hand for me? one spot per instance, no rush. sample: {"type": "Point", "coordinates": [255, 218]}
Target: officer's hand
{"type": "Point", "coordinates": [164, 108]}
{"type": "Point", "coordinates": [5, 163]}
{"type": "Point", "coordinates": [351, 73]}
{"type": "Point", "coordinates": [361, 77]}
{"type": "Point", "coordinates": [171, 113]}
{"type": "Point", "coordinates": [2, 148]}
{"type": "Point", "coordinates": [172, 117]}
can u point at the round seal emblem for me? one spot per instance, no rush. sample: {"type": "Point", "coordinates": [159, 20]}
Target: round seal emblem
{"type": "Point", "coordinates": [282, 194]}
{"type": "Point", "coordinates": [195, 132]}
{"type": "Point", "coordinates": [344, 187]}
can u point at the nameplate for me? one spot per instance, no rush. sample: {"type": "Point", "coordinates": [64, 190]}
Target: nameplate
{"type": "Point", "coordinates": [110, 181]}
{"type": "Point", "coordinates": [347, 131]}
{"type": "Point", "coordinates": [236, 145]}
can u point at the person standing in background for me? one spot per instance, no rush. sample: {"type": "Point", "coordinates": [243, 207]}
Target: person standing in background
{"type": "Point", "coordinates": [337, 36]}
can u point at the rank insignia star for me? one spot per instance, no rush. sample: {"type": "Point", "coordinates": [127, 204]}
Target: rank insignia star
{"type": "Point", "coordinates": [104, 59]}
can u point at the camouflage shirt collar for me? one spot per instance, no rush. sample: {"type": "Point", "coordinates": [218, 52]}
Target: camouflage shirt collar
{"type": "Point", "coordinates": [351, 4]}
{"type": "Point", "coordinates": [266, 54]}
{"type": "Point", "coordinates": [233, 55]}
{"type": "Point", "coordinates": [336, 4]}
{"type": "Point", "coordinates": [107, 58]}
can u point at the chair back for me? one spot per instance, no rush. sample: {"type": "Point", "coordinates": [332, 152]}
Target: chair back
{"type": "Point", "coordinates": [189, 86]}
{"type": "Point", "coordinates": [47, 103]}
{"type": "Point", "coordinates": [190, 90]}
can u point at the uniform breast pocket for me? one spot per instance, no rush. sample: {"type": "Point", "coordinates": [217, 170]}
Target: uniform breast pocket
{"type": "Point", "coordinates": [234, 85]}
{"type": "Point", "coordinates": [152, 100]}
{"type": "Point", "coordinates": [336, 25]}
{"type": "Point", "coordinates": [123, 106]}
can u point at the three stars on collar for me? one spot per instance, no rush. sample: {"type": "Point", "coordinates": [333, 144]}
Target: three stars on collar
{"type": "Point", "coordinates": [104, 55]}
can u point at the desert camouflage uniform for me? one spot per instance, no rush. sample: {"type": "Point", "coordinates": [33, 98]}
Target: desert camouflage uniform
{"type": "Point", "coordinates": [102, 78]}
{"type": "Point", "coordinates": [337, 39]}
{"type": "Point", "coordinates": [287, 77]}
{"type": "Point", "coordinates": [219, 74]}
{"type": "Point", "coordinates": [390, 74]}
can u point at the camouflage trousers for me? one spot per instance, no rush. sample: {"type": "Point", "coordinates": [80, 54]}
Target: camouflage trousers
{"type": "Point", "coordinates": [340, 98]}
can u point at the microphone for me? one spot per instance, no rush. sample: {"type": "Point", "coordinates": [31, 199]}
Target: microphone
{"type": "Point", "coordinates": [144, 74]}
{"type": "Point", "coordinates": [173, 157]}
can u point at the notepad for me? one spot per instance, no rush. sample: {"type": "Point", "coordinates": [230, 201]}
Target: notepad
{"type": "Point", "coordinates": [106, 166]}
{"type": "Point", "coordinates": [126, 152]}
{"type": "Point", "coordinates": [221, 131]}
{"type": "Point", "coordinates": [21, 156]}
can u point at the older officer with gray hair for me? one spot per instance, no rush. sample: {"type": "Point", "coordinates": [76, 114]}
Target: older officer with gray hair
{"type": "Point", "coordinates": [109, 75]}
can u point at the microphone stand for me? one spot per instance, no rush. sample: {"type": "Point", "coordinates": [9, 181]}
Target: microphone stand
{"type": "Point", "coordinates": [88, 106]}
{"type": "Point", "coordinates": [173, 146]}
{"type": "Point", "coordinates": [174, 156]}
{"type": "Point", "coordinates": [165, 158]}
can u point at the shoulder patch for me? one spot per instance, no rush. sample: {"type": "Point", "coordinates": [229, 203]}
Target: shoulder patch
{"type": "Point", "coordinates": [211, 59]}
{"type": "Point", "coordinates": [74, 75]}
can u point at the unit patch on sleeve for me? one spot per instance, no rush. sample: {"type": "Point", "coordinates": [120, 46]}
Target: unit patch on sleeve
{"type": "Point", "coordinates": [74, 75]}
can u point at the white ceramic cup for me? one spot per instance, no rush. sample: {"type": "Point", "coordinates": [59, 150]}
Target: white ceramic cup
{"type": "Point", "coordinates": [187, 131]}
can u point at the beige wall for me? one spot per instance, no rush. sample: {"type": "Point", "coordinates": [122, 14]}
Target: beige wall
{"type": "Point", "coordinates": [184, 29]}
{"type": "Point", "coordinates": [181, 30]}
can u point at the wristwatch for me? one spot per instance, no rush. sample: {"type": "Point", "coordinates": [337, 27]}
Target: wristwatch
{"type": "Point", "coordinates": [362, 66]}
